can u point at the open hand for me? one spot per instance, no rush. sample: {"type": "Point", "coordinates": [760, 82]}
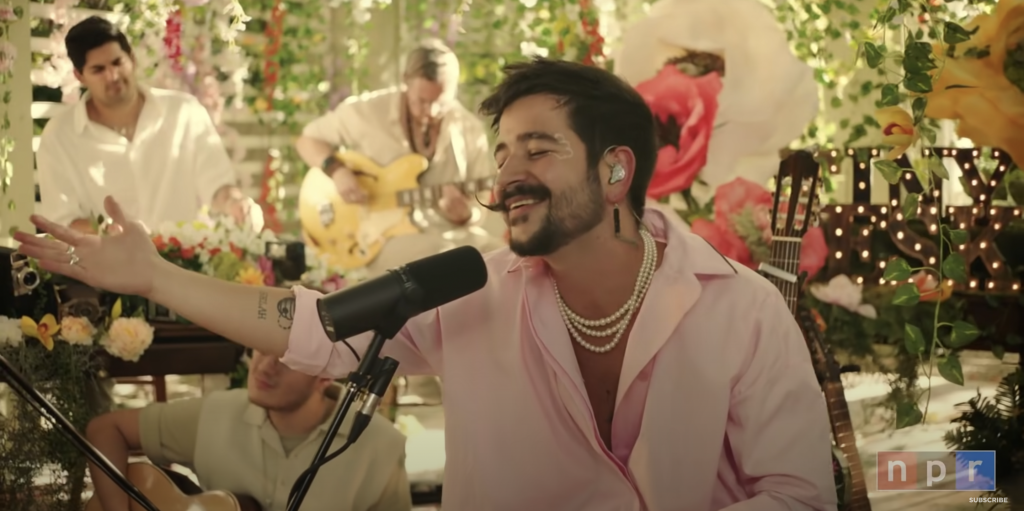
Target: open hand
{"type": "Point", "coordinates": [123, 261]}
{"type": "Point", "coordinates": [454, 205]}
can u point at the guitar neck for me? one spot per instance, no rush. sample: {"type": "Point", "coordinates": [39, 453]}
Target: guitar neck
{"type": "Point", "coordinates": [846, 440]}
{"type": "Point", "coordinates": [427, 196]}
{"type": "Point", "coordinates": [785, 256]}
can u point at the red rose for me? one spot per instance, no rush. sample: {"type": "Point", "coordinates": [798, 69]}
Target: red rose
{"type": "Point", "coordinates": [813, 252]}
{"type": "Point", "coordinates": [692, 104]}
{"type": "Point", "coordinates": [723, 239]}
{"type": "Point", "coordinates": [740, 193]}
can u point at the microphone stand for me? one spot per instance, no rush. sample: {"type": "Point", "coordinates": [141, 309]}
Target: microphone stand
{"type": "Point", "coordinates": [24, 389]}
{"type": "Point", "coordinates": [358, 380]}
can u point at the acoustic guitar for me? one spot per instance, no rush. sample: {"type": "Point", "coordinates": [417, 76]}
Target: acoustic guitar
{"type": "Point", "coordinates": [171, 491]}
{"type": "Point", "coordinates": [796, 189]}
{"type": "Point", "coordinates": [353, 235]}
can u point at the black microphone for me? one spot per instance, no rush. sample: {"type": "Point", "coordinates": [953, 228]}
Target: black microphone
{"type": "Point", "coordinates": [385, 303]}
{"type": "Point", "coordinates": [385, 371]}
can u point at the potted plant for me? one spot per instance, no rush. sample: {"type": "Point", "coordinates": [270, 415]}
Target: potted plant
{"type": "Point", "coordinates": [996, 425]}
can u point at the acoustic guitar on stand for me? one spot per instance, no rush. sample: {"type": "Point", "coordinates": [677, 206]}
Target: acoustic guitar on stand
{"type": "Point", "coordinates": [172, 491]}
{"type": "Point", "coordinates": [795, 206]}
{"type": "Point", "coordinates": [353, 235]}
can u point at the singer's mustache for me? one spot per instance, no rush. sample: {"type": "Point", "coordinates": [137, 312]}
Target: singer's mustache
{"type": "Point", "coordinates": [525, 191]}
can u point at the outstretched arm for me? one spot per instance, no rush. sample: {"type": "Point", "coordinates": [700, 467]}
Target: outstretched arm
{"type": "Point", "coordinates": [257, 317]}
{"type": "Point", "coordinates": [127, 262]}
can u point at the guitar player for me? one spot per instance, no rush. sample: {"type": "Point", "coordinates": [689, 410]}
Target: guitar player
{"type": "Point", "coordinates": [254, 443]}
{"type": "Point", "coordinates": [421, 116]}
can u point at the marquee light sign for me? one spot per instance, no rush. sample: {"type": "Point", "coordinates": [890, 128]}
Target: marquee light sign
{"type": "Point", "coordinates": [849, 227]}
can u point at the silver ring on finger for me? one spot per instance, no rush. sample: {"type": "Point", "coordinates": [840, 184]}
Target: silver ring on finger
{"type": "Point", "coordinates": [74, 260]}
{"type": "Point", "coordinates": [71, 249]}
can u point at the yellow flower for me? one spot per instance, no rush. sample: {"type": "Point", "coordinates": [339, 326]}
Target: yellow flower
{"type": "Point", "coordinates": [250, 276]}
{"type": "Point", "coordinates": [261, 105]}
{"type": "Point", "coordinates": [897, 130]}
{"type": "Point", "coordinates": [988, 106]}
{"type": "Point", "coordinates": [44, 330]}
{"type": "Point", "coordinates": [128, 338]}
{"type": "Point", "coordinates": [76, 330]}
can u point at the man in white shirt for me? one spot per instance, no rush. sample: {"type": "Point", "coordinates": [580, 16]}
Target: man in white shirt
{"type": "Point", "coordinates": [157, 151]}
{"type": "Point", "coordinates": [421, 116]}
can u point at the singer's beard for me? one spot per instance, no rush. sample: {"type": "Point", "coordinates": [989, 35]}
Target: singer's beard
{"type": "Point", "coordinates": [570, 214]}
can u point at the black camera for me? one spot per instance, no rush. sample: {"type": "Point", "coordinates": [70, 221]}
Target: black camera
{"type": "Point", "coordinates": [288, 259]}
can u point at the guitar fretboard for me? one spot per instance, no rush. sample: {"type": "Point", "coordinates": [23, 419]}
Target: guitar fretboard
{"type": "Point", "coordinates": [786, 257]}
{"type": "Point", "coordinates": [427, 196]}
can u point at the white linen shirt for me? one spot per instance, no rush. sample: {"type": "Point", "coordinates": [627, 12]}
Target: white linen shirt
{"type": "Point", "coordinates": [172, 167]}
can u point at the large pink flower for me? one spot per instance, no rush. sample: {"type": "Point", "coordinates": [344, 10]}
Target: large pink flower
{"type": "Point", "coordinates": [813, 252]}
{"type": "Point", "coordinates": [724, 239]}
{"type": "Point", "coordinates": [690, 104]}
{"type": "Point", "coordinates": [740, 193]}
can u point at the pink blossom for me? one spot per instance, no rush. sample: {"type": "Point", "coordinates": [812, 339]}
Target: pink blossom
{"type": "Point", "coordinates": [8, 53]}
{"type": "Point", "coordinates": [333, 283]}
{"type": "Point", "coordinates": [7, 14]}
{"type": "Point", "coordinates": [267, 269]}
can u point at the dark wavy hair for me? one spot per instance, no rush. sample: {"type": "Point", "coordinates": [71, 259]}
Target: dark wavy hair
{"type": "Point", "coordinates": [89, 34]}
{"type": "Point", "coordinates": [603, 111]}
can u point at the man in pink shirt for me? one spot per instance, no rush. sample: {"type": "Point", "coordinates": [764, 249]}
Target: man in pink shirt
{"type": "Point", "coordinates": [695, 391]}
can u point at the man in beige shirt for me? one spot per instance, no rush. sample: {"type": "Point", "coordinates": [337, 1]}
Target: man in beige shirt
{"type": "Point", "coordinates": [257, 441]}
{"type": "Point", "coordinates": [421, 116]}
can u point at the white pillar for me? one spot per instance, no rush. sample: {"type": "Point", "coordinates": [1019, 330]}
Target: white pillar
{"type": "Point", "coordinates": [21, 192]}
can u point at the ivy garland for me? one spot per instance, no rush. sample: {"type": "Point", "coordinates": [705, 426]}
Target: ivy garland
{"type": "Point", "coordinates": [8, 53]}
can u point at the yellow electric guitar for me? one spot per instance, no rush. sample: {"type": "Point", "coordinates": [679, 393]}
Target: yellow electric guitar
{"type": "Point", "coordinates": [352, 235]}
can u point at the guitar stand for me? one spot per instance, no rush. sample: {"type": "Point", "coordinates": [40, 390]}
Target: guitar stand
{"type": "Point", "coordinates": [24, 389]}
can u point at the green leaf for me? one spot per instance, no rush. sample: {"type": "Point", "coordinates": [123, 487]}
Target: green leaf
{"type": "Point", "coordinates": [836, 102]}
{"type": "Point", "coordinates": [978, 52]}
{"type": "Point", "coordinates": [910, 205]}
{"type": "Point", "coordinates": [920, 83]}
{"type": "Point", "coordinates": [1013, 339]}
{"type": "Point", "coordinates": [908, 414]}
{"type": "Point", "coordinates": [906, 295]}
{"type": "Point", "coordinates": [890, 95]}
{"type": "Point", "coordinates": [874, 55]}
{"type": "Point", "coordinates": [956, 34]}
{"type": "Point", "coordinates": [998, 351]}
{"type": "Point", "coordinates": [959, 237]}
{"type": "Point", "coordinates": [937, 168]}
{"type": "Point", "coordinates": [918, 59]}
{"type": "Point", "coordinates": [889, 170]}
{"type": "Point", "coordinates": [918, 108]}
{"type": "Point", "coordinates": [898, 269]}
{"type": "Point", "coordinates": [964, 333]}
{"type": "Point", "coordinates": [913, 339]}
{"type": "Point", "coordinates": [950, 369]}
{"type": "Point", "coordinates": [955, 267]}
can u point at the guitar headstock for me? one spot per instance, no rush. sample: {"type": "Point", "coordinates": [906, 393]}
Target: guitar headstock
{"type": "Point", "coordinates": [796, 197]}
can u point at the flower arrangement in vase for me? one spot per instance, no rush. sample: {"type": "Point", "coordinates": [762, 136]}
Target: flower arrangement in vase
{"type": "Point", "coordinates": [234, 253]}
{"type": "Point", "coordinates": [972, 73]}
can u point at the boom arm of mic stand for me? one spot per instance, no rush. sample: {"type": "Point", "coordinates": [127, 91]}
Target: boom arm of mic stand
{"type": "Point", "coordinates": [24, 389]}
{"type": "Point", "coordinates": [357, 380]}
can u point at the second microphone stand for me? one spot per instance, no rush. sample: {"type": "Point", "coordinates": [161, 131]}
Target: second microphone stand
{"type": "Point", "coordinates": [373, 371]}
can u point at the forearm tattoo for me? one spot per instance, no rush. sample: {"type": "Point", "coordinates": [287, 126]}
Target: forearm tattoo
{"type": "Point", "coordinates": [286, 312]}
{"type": "Point", "coordinates": [261, 306]}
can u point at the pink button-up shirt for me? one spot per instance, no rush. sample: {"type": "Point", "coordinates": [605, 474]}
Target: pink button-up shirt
{"type": "Point", "coordinates": [717, 409]}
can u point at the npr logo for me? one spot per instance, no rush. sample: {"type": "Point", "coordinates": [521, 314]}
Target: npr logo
{"type": "Point", "coordinates": [937, 471]}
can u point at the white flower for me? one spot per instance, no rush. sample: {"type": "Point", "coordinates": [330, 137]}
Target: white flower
{"type": "Point", "coordinates": [76, 330]}
{"type": "Point", "coordinates": [10, 332]}
{"type": "Point", "coordinates": [529, 4]}
{"type": "Point", "coordinates": [843, 292]}
{"type": "Point", "coordinates": [768, 97]}
{"type": "Point", "coordinates": [530, 49]}
{"type": "Point", "coordinates": [128, 338]}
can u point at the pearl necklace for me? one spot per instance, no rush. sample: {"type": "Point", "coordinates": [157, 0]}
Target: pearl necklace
{"type": "Point", "coordinates": [577, 324]}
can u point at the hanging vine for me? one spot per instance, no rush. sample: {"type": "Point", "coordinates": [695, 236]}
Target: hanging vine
{"type": "Point", "coordinates": [9, 15]}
